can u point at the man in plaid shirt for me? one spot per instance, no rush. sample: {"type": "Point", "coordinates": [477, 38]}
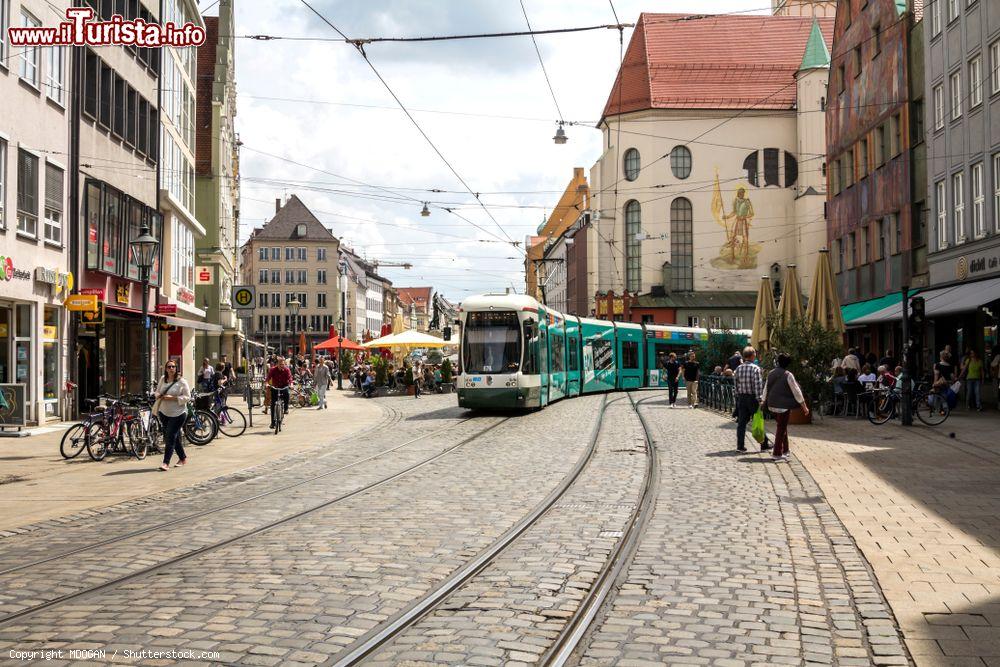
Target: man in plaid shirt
{"type": "Point", "coordinates": [749, 388]}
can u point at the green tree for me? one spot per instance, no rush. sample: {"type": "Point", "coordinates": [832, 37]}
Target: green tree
{"type": "Point", "coordinates": [381, 371]}
{"type": "Point", "coordinates": [718, 348]}
{"type": "Point", "coordinates": [811, 348]}
{"type": "Point", "coordinates": [408, 376]}
{"type": "Point", "coordinates": [446, 371]}
{"type": "Point", "coordinates": [346, 361]}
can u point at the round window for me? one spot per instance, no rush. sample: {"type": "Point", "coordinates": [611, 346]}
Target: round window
{"type": "Point", "coordinates": [680, 162]}
{"type": "Point", "coordinates": [632, 167]}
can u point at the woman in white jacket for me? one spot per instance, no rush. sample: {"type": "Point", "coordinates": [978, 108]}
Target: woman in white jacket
{"type": "Point", "coordinates": [172, 396]}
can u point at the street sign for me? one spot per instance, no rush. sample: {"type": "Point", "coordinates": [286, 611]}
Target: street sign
{"type": "Point", "coordinates": [81, 302]}
{"type": "Point", "coordinates": [244, 296]}
{"type": "Point", "coordinates": [166, 308]}
{"type": "Point", "coordinates": [93, 317]}
{"type": "Point", "coordinates": [204, 275]}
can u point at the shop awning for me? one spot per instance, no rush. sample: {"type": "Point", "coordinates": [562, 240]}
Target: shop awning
{"type": "Point", "coordinates": [193, 324]}
{"type": "Point", "coordinates": [942, 301]}
{"type": "Point", "coordinates": [856, 311]}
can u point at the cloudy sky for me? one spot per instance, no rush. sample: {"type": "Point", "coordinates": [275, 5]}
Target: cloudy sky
{"type": "Point", "coordinates": [484, 104]}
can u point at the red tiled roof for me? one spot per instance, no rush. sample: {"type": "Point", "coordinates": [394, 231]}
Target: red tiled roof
{"type": "Point", "coordinates": [417, 295]}
{"type": "Point", "coordinates": [716, 62]}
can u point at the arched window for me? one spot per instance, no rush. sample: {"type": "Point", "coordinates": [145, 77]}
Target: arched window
{"type": "Point", "coordinates": [681, 245]}
{"type": "Point", "coordinates": [792, 170]}
{"type": "Point", "coordinates": [633, 247]}
{"type": "Point", "coordinates": [750, 164]}
{"type": "Point", "coordinates": [680, 162]}
{"type": "Point", "coordinates": [632, 165]}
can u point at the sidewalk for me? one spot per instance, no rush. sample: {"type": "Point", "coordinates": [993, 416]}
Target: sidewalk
{"type": "Point", "coordinates": [36, 483]}
{"type": "Point", "coordinates": [925, 510]}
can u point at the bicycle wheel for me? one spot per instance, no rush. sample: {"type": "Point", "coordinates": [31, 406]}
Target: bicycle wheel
{"type": "Point", "coordinates": [279, 413]}
{"type": "Point", "coordinates": [97, 440]}
{"type": "Point", "coordinates": [232, 422]}
{"type": "Point", "coordinates": [74, 441]}
{"type": "Point", "coordinates": [201, 427]}
{"type": "Point", "coordinates": [880, 409]}
{"type": "Point", "coordinates": [932, 408]}
{"type": "Point", "coordinates": [155, 431]}
{"type": "Point", "coordinates": [138, 440]}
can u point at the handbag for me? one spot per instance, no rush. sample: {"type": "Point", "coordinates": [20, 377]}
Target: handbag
{"type": "Point", "coordinates": [156, 405]}
{"type": "Point", "coordinates": [757, 427]}
{"type": "Point", "coordinates": [956, 386]}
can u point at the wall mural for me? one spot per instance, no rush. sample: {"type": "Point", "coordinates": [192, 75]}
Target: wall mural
{"type": "Point", "coordinates": [738, 252]}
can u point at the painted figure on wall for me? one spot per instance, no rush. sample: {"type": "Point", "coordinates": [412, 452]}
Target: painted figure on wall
{"type": "Point", "coordinates": [737, 252]}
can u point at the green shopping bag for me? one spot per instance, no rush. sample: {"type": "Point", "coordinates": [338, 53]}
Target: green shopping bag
{"type": "Point", "coordinates": [757, 427]}
{"type": "Point", "coordinates": [313, 398]}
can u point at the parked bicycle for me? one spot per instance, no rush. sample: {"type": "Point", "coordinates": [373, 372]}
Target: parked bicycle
{"type": "Point", "coordinates": [201, 425]}
{"type": "Point", "coordinates": [232, 422]}
{"type": "Point", "coordinates": [930, 406]}
{"type": "Point", "coordinates": [127, 427]}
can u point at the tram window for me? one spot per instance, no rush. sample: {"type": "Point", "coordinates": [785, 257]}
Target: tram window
{"type": "Point", "coordinates": [492, 343]}
{"type": "Point", "coordinates": [574, 355]}
{"type": "Point", "coordinates": [630, 355]}
{"type": "Point", "coordinates": [530, 345]}
{"type": "Point", "coordinates": [558, 352]}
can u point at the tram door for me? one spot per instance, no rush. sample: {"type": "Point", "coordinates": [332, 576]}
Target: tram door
{"type": "Point", "coordinates": [544, 355]}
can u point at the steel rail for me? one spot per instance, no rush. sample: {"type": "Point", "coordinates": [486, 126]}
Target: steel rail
{"type": "Point", "coordinates": [574, 631]}
{"type": "Point", "coordinates": [249, 533]}
{"type": "Point", "coordinates": [385, 633]}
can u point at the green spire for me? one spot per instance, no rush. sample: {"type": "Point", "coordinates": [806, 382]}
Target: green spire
{"type": "Point", "coordinates": [901, 6]}
{"type": "Point", "coordinates": [816, 55]}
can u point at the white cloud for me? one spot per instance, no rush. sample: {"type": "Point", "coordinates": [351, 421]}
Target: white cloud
{"type": "Point", "coordinates": [381, 147]}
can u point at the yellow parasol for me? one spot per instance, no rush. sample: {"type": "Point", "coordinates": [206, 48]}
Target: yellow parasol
{"type": "Point", "coordinates": [824, 306]}
{"type": "Point", "coordinates": [791, 298]}
{"type": "Point", "coordinates": [407, 339]}
{"type": "Point", "coordinates": [760, 337]}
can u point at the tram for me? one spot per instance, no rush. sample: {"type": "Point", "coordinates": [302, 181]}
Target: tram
{"type": "Point", "coordinates": [516, 353]}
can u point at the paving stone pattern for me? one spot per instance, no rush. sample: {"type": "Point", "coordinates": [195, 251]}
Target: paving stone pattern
{"type": "Point", "coordinates": [743, 563]}
{"type": "Point", "coordinates": [306, 589]}
{"type": "Point", "coordinates": [511, 612]}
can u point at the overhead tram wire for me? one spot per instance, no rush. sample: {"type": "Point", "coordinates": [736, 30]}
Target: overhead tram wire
{"type": "Point", "coordinates": [360, 42]}
{"type": "Point", "coordinates": [541, 62]}
{"type": "Point", "coordinates": [361, 50]}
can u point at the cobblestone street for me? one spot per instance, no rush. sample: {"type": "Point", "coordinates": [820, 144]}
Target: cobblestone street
{"type": "Point", "coordinates": [413, 541]}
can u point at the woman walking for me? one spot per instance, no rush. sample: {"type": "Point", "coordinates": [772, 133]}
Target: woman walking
{"type": "Point", "coordinates": [972, 370]}
{"type": "Point", "coordinates": [172, 396]}
{"type": "Point", "coordinates": [322, 379]}
{"type": "Point", "coordinates": [782, 394]}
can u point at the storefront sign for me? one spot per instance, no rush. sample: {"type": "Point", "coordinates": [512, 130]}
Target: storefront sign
{"type": "Point", "coordinates": [93, 317]}
{"type": "Point", "coordinates": [61, 282]}
{"type": "Point", "coordinates": [204, 275]}
{"type": "Point", "coordinates": [12, 405]}
{"type": "Point", "coordinates": [8, 272]}
{"type": "Point", "coordinates": [50, 332]}
{"type": "Point", "coordinates": [81, 302]}
{"type": "Point", "coordinates": [96, 291]}
{"type": "Point", "coordinates": [185, 295]}
{"type": "Point", "coordinates": [166, 308]}
{"type": "Point", "coordinates": [123, 293]}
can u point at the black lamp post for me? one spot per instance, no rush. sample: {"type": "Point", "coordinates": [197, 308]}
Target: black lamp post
{"type": "Point", "coordinates": [144, 249]}
{"type": "Point", "coordinates": [340, 352]}
{"type": "Point", "coordinates": [293, 310]}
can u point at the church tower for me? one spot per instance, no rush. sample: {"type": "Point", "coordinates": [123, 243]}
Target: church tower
{"type": "Point", "coordinates": [814, 8]}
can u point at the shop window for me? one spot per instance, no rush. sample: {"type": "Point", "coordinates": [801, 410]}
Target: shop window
{"type": "Point", "coordinates": [53, 203]}
{"type": "Point", "coordinates": [134, 213]}
{"type": "Point", "coordinates": [3, 175]}
{"type": "Point", "coordinates": [27, 193]}
{"type": "Point", "coordinates": [92, 214]}
{"type": "Point", "coordinates": [111, 231]}
{"type": "Point", "coordinates": [50, 359]}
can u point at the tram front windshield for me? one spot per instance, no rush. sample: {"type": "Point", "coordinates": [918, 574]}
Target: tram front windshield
{"type": "Point", "coordinates": [491, 342]}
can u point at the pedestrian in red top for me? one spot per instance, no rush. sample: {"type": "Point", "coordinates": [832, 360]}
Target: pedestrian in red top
{"type": "Point", "coordinates": [280, 379]}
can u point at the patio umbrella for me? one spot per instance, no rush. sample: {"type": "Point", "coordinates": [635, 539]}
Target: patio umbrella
{"type": "Point", "coordinates": [332, 344]}
{"type": "Point", "coordinates": [407, 339]}
{"type": "Point", "coordinates": [791, 298]}
{"type": "Point", "coordinates": [760, 337]}
{"type": "Point", "coordinates": [824, 306]}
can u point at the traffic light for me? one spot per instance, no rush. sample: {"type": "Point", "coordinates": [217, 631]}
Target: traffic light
{"type": "Point", "coordinates": [446, 333]}
{"type": "Point", "coordinates": [93, 317]}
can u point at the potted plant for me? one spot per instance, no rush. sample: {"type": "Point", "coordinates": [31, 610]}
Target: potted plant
{"type": "Point", "coordinates": [811, 348]}
{"type": "Point", "coordinates": [346, 362]}
{"type": "Point", "coordinates": [446, 377]}
{"type": "Point", "coordinates": [408, 381]}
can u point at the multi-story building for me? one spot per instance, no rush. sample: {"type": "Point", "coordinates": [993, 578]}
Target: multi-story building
{"type": "Point", "coordinates": [390, 308]}
{"type": "Point", "coordinates": [575, 198]}
{"type": "Point", "coordinates": [217, 203]}
{"type": "Point", "coordinates": [355, 296]}
{"type": "Point", "coordinates": [35, 228]}
{"type": "Point", "coordinates": [182, 231]}
{"type": "Point", "coordinates": [117, 150]}
{"type": "Point", "coordinates": [875, 164]}
{"type": "Point", "coordinates": [415, 304]}
{"type": "Point", "coordinates": [712, 171]}
{"type": "Point", "coordinates": [292, 257]}
{"type": "Point", "coordinates": [962, 61]}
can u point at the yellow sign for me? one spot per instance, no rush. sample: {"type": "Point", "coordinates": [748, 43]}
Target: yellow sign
{"type": "Point", "coordinates": [243, 296]}
{"type": "Point", "coordinates": [93, 317]}
{"type": "Point", "coordinates": [122, 293]}
{"type": "Point", "coordinates": [3, 330]}
{"type": "Point", "coordinates": [49, 332]}
{"type": "Point", "coordinates": [81, 303]}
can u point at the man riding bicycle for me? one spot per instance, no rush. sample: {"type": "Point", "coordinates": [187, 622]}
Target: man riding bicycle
{"type": "Point", "coordinates": [279, 379]}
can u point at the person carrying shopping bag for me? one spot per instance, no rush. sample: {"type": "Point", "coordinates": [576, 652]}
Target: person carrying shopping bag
{"type": "Point", "coordinates": [781, 395]}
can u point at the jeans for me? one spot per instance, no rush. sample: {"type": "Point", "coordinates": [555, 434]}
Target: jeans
{"type": "Point", "coordinates": [672, 390]}
{"type": "Point", "coordinates": [279, 392]}
{"type": "Point", "coordinates": [321, 393]}
{"type": "Point", "coordinates": [781, 434]}
{"type": "Point", "coordinates": [746, 406]}
{"type": "Point", "coordinates": [172, 427]}
{"type": "Point", "coordinates": [692, 387]}
{"type": "Point", "coordinates": [974, 394]}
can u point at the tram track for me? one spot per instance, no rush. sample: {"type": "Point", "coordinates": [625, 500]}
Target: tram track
{"type": "Point", "coordinates": [169, 562]}
{"type": "Point", "coordinates": [577, 625]}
